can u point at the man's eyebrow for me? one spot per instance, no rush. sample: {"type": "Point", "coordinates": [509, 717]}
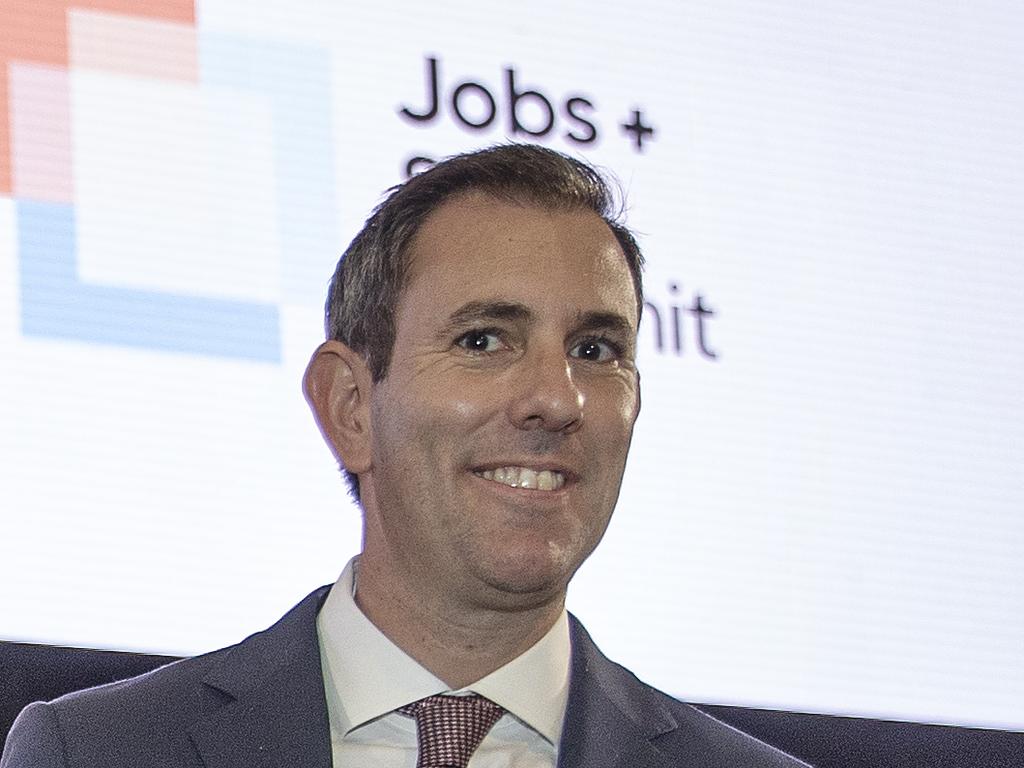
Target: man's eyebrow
{"type": "Point", "coordinates": [475, 312]}
{"type": "Point", "coordinates": [479, 312]}
{"type": "Point", "coordinates": [605, 321]}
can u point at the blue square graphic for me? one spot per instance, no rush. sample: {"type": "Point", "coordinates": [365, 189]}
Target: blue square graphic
{"type": "Point", "coordinates": [56, 303]}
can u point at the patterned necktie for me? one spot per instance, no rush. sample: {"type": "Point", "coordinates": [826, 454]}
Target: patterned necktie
{"type": "Point", "coordinates": [450, 728]}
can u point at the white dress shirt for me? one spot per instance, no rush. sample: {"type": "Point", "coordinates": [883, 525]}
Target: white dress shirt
{"type": "Point", "coordinates": [367, 677]}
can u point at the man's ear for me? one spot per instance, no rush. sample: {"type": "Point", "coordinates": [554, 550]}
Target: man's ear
{"type": "Point", "coordinates": [337, 386]}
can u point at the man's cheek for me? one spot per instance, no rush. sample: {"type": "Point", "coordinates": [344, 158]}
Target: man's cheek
{"type": "Point", "coordinates": [469, 404]}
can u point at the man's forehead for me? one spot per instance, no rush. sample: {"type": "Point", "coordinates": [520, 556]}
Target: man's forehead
{"type": "Point", "coordinates": [481, 211]}
{"type": "Point", "coordinates": [479, 231]}
{"type": "Point", "coordinates": [521, 269]}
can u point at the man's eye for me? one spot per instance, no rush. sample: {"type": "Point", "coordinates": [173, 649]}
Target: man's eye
{"type": "Point", "coordinates": [479, 341]}
{"type": "Point", "coordinates": [595, 350]}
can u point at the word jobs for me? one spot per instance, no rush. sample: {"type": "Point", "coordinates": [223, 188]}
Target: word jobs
{"type": "Point", "coordinates": [526, 112]}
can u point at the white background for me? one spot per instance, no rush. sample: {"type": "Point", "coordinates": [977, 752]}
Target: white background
{"type": "Point", "coordinates": [826, 517]}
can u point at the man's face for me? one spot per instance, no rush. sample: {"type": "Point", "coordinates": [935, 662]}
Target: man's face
{"type": "Point", "coordinates": [500, 433]}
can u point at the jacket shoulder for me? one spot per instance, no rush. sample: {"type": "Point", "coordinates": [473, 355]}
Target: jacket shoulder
{"type": "Point", "coordinates": [607, 697]}
{"type": "Point", "coordinates": [175, 687]}
{"type": "Point", "coordinates": [34, 741]}
{"type": "Point", "coordinates": [726, 745]}
{"type": "Point", "coordinates": [119, 723]}
{"type": "Point", "coordinates": [720, 743]}
{"type": "Point", "coordinates": [146, 720]}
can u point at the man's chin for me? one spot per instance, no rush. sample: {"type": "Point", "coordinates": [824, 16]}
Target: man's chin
{"type": "Point", "coordinates": [529, 581]}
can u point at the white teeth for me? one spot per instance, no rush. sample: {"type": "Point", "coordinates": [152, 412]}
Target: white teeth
{"type": "Point", "coordinates": [524, 477]}
{"type": "Point", "coordinates": [546, 480]}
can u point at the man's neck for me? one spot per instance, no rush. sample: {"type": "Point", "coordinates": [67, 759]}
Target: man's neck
{"type": "Point", "coordinates": [458, 644]}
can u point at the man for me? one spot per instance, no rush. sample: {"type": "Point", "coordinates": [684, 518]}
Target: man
{"type": "Point", "coordinates": [479, 387]}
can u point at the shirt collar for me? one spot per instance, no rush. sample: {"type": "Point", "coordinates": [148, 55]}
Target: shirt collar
{"type": "Point", "coordinates": [367, 676]}
{"type": "Point", "coordinates": [534, 686]}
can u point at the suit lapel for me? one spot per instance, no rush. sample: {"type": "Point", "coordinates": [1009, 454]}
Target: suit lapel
{"type": "Point", "coordinates": [276, 715]}
{"type": "Point", "coordinates": [607, 723]}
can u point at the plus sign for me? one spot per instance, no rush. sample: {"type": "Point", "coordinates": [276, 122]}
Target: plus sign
{"type": "Point", "coordinates": [638, 129]}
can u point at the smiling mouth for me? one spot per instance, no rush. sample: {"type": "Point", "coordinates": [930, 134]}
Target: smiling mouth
{"type": "Point", "coordinates": [524, 477]}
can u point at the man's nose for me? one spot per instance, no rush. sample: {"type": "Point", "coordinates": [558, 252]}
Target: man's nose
{"type": "Point", "coordinates": [546, 396]}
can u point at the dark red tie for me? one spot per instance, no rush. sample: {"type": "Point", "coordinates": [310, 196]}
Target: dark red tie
{"type": "Point", "coordinates": [450, 728]}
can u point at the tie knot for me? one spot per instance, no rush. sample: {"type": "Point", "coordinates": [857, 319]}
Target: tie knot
{"type": "Point", "coordinates": [450, 728]}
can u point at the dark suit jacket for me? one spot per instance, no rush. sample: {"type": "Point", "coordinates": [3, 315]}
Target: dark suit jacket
{"type": "Point", "coordinates": [261, 703]}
